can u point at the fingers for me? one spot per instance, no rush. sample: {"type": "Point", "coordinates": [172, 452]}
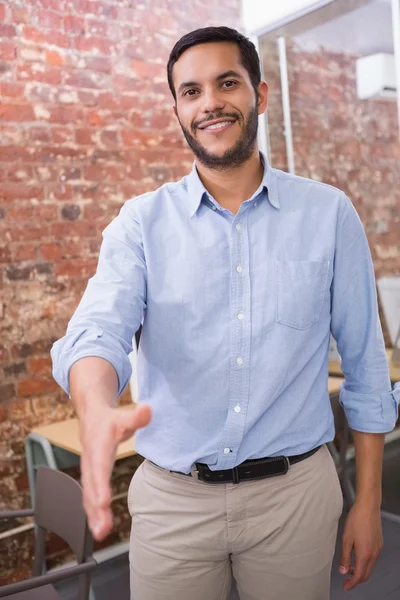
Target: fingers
{"type": "Point", "coordinates": [359, 575]}
{"type": "Point", "coordinates": [362, 571]}
{"type": "Point", "coordinates": [128, 421]}
{"type": "Point", "coordinates": [99, 449]}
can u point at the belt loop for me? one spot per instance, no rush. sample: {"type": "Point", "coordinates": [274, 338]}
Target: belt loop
{"type": "Point", "coordinates": [235, 475]}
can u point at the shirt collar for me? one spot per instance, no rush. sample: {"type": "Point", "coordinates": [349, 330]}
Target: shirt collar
{"type": "Point", "coordinates": [197, 191]}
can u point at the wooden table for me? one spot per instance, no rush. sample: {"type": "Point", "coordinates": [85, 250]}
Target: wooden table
{"type": "Point", "coordinates": [65, 435]}
{"type": "Point", "coordinates": [335, 368]}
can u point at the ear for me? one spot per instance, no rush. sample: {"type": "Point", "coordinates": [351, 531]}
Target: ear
{"type": "Point", "coordinates": [262, 97]}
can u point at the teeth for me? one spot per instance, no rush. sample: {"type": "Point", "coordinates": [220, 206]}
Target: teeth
{"type": "Point", "coordinates": [218, 125]}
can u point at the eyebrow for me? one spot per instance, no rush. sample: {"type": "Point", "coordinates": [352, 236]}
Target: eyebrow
{"type": "Point", "coordinates": [223, 75]}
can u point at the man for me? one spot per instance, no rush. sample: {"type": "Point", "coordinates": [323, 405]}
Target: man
{"type": "Point", "coordinates": [239, 273]}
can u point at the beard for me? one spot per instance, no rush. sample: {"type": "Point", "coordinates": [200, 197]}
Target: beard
{"type": "Point", "coordinates": [232, 157]}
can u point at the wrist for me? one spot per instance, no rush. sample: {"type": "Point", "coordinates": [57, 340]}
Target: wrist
{"type": "Point", "coordinates": [370, 500]}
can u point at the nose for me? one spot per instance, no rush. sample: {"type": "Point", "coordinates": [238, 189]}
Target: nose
{"type": "Point", "coordinates": [212, 100]}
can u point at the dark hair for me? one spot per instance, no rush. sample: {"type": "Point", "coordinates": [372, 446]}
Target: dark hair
{"type": "Point", "coordinates": [248, 52]}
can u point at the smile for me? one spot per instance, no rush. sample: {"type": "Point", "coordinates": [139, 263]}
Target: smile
{"type": "Point", "coordinates": [217, 127]}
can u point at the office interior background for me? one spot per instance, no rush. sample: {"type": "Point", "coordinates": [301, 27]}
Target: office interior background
{"type": "Point", "coordinates": [86, 123]}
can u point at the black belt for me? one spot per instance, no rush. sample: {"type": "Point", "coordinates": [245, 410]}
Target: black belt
{"type": "Point", "coordinates": [249, 470]}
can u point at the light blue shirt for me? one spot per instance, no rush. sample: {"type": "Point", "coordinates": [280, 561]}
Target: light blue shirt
{"type": "Point", "coordinates": [237, 313]}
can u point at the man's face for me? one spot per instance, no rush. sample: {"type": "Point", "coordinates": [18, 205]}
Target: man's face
{"type": "Point", "coordinates": [216, 104]}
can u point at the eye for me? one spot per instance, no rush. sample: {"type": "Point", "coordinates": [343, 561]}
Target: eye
{"type": "Point", "coordinates": [229, 84]}
{"type": "Point", "coordinates": [192, 92]}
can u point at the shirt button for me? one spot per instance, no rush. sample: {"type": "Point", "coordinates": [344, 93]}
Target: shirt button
{"type": "Point", "coordinates": [227, 450]}
{"type": "Point", "coordinates": [239, 268]}
{"type": "Point", "coordinates": [238, 227]}
{"type": "Point", "coordinates": [240, 316]}
{"type": "Point", "coordinates": [214, 207]}
{"type": "Point", "coordinates": [237, 408]}
{"type": "Point", "coordinates": [239, 361]}
{"type": "Point", "coordinates": [255, 203]}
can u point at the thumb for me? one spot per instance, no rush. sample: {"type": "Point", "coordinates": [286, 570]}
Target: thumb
{"type": "Point", "coordinates": [128, 421]}
{"type": "Point", "coordinates": [345, 557]}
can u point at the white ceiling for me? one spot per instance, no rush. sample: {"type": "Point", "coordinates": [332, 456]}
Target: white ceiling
{"type": "Point", "coordinates": [364, 31]}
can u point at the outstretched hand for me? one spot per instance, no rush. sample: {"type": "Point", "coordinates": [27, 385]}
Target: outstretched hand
{"type": "Point", "coordinates": [101, 433]}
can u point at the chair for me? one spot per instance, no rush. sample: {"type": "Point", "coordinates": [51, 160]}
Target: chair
{"type": "Point", "coordinates": [58, 508]}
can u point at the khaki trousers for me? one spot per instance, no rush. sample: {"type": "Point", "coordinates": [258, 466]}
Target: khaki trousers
{"type": "Point", "coordinates": [276, 536]}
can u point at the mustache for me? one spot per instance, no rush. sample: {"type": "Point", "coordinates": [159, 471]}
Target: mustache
{"type": "Point", "coordinates": [214, 117]}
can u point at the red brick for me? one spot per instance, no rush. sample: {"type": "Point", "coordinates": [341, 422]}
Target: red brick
{"type": "Point", "coordinates": [51, 251]}
{"type": "Point", "coordinates": [39, 347]}
{"type": "Point", "coordinates": [49, 19]}
{"type": "Point", "coordinates": [20, 15]}
{"type": "Point", "coordinates": [110, 138]}
{"type": "Point", "coordinates": [108, 101]}
{"type": "Point", "coordinates": [35, 387]}
{"type": "Point", "coordinates": [93, 211]}
{"type": "Point", "coordinates": [62, 135]}
{"type": "Point", "coordinates": [15, 112]}
{"type": "Point", "coordinates": [45, 213]}
{"type": "Point", "coordinates": [39, 134]}
{"type": "Point", "coordinates": [39, 72]}
{"type": "Point", "coordinates": [88, 98]}
{"type": "Point", "coordinates": [16, 174]}
{"type": "Point", "coordinates": [102, 64]}
{"type": "Point", "coordinates": [28, 233]}
{"type": "Point", "coordinates": [5, 257]}
{"type": "Point", "coordinates": [90, 44]}
{"type": "Point", "coordinates": [22, 252]}
{"type": "Point", "coordinates": [54, 58]}
{"type": "Point", "coordinates": [66, 115]}
{"type": "Point", "coordinates": [7, 392]}
{"type": "Point", "coordinates": [15, 369]}
{"type": "Point", "coordinates": [12, 89]}
{"type": "Point", "coordinates": [76, 268]}
{"type": "Point", "coordinates": [83, 79]}
{"type": "Point", "coordinates": [125, 84]}
{"type": "Point", "coordinates": [96, 27]}
{"type": "Point", "coordinates": [39, 366]}
{"type": "Point", "coordinates": [7, 30]}
{"type": "Point", "coordinates": [104, 173]}
{"type": "Point", "coordinates": [20, 213]}
{"type": "Point", "coordinates": [24, 273]}
{"type": "Point", "coordinates": [58, 5]}
{"type": "Point", "coordinates": [74, 25]}
{"type": "Point", "coordinates": [53, 38]}
{"type": "Point", "coordinates": [39, 93]}
{"type": "Point", "coordinates": [85, 136]}
{"type": "Point", "coordinates": [94, 118]}
{"type": "Point", "coordinates": [14, 153]}
{"type": "Point", "coordinates": [20, 191]}
{"type": "Point", "coordinates": [4, 355]}
{"type": "Point", "coordinates": [8, 50]}
{"type": "Point", "coordinates": [59, 192]}
{"type": "Point", "coordinates": [87, 7]}
{"type": "Point", "coordinates": [71, 229]}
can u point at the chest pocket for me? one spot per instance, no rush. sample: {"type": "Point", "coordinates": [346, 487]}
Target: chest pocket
{"type": "Point", "coordinates": [301, 288]}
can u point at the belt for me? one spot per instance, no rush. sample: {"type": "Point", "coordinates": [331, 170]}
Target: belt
{"type": "Point", "coordinates": [249, 470]}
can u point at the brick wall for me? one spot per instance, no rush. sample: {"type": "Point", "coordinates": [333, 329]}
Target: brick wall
{"type": "Point", "coordinates": [349, 143]}
{"type": "Point", "coordinates": [85, 123]}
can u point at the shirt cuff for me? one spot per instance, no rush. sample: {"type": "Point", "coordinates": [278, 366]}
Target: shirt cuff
{"type": "Point", "coordinates": [371, 413]}
{"type": "Point", "coordinates": [89, 342]}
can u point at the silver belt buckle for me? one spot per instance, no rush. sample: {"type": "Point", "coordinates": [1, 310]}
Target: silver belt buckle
{"type": "Point", "coordinates": [286, 462]}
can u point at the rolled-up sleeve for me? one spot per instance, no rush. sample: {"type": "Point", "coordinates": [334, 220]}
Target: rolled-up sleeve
{"type": "Point", "coordinates": [370, 404]}
{"type": "Point", "coordinates": [112, 307]}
